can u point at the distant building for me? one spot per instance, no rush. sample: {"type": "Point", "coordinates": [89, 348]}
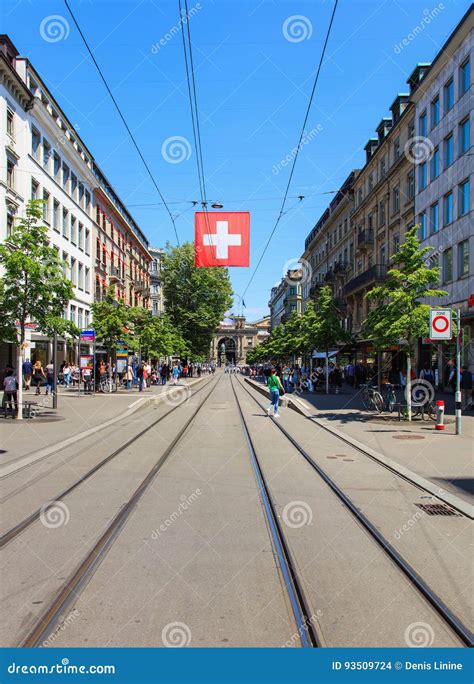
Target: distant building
{"type": "Point", "coordinates": [286, 297]}
{"type": "Point", "coordinates": [235, 337]}
{"type": "Point", "coordinates": [156, 287]}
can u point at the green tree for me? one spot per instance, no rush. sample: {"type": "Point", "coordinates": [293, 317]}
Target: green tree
{"type": "Point", "coordinates": [196, 299]}
{"type": "Point", "coordinates": [110, 321]}
{"type": "Point", "coordinates": [322, 327]}
{"type": "Point", "coordinates": [155, 335]}
{"type": "Point", "coordinates": [397, 315]}
{"type": "Point", "coordinates": [33, 288]}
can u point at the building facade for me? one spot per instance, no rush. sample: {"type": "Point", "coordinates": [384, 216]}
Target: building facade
{"type": "Point", "coordinates": [286, 297]}
{"type": "Point", "coordinates": [444, 177]}
{"type": "Point", "coordinates": [96, 238]}
{"type": "Point", "coordinates": [156, 285]}
{"type": "Point", "coordinates": [235, 337]}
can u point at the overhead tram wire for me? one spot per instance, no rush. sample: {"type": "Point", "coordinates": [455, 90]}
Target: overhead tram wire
{"type": "Point", "coordinates": [193, 105]}
{"type": "Point", "coordinates": [308, 109]}
{"type": "Point", "coordinates": [132, 137]}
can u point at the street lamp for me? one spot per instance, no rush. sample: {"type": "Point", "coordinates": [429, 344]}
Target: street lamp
{"type": "Point", "coordinates": [217, 205]}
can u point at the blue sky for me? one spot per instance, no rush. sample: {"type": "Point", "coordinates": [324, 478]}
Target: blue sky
{"type": "Point", "coordinates": [253, 86]}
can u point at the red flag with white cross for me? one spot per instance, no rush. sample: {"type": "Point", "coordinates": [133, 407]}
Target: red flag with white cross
{"type": "Point", "coordinates": [222, 238]}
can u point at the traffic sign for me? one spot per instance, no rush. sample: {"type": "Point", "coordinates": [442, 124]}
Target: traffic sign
{"type": "Point", "coordinates": [87, 335]}
{"type": "Point", "coordinates": [440, 324]}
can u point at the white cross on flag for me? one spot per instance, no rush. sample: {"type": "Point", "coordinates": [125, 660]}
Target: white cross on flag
{"type": "Point", "coordinates": [222, 238]}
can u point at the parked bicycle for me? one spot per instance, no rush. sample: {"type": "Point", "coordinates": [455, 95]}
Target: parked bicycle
{"type": "Point", "coordinates": [371, 397]}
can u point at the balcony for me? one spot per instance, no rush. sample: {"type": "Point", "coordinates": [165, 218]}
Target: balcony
{"type": "Point", "coordinates": [139, 285]}
{"type": "Point", "coordinates": [115, 273]}
{"type": "Point", "coordinates": [314, 289]}
{"type": "Point", "coordinates": [146, 292]}
{"type": "Point", "coordinates": [341, 267]}
{"type": "Point", "coordinates": [365, 238]}
{"type": "Point", "coordinates": [340, 303]}
{"type": "Point", "coordinates": [374, 274]}
{"type": "Point", "coordinates": [329, 277]}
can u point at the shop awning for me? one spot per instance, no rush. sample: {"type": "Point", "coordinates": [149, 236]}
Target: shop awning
{"type": "Point", "coordinates": [322, 355]}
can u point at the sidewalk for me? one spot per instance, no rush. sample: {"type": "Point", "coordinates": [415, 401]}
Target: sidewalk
{"type": "Point", "coordinates": [442, 457]}
{"type": "Point", "coordinates": [74, 415]}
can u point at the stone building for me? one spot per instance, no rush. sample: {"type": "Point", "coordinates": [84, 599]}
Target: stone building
{"type": "Point", "coordinates": [444, 175]}
{"type": "Point", "coordinates": [286, 297]}
{"type": "Point", "coordinates": [156, 287]}
{"type": "Point", "coordinates": [235, 337]}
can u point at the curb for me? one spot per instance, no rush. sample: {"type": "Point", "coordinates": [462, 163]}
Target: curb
{"type": "Point", "coordinates": [35, 456]}
{"type": "Point", "coordinates": [299, 406]}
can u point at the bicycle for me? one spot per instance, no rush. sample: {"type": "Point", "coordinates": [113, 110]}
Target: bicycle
{"type": "Point", "coordinates": [390, 399]}
{"type": "Point", "coordinates": [372, 399]}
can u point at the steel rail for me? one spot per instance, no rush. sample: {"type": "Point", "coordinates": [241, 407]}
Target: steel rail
{"type": "Point", "coordinates": [86, 567]}
{"type": "Point", "coordinates": [302, 613]}
{"type": "Point", "coordinates": [463, 632]}
{"type": "Point", "coordinates": [17, 529]}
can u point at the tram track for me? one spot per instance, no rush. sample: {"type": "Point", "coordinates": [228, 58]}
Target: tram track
{"type": "Point", "coordinates": [436, 603]}
{"type": "Point", "coordinates": [79, 577]}
{"type": "Point", "coordinates": [20, 527]}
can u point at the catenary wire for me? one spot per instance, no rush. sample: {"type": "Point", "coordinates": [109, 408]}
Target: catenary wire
{"type": "Point", "coordinates": [308, 109]}
{"type": "Point", "coordinates": [132, 137]}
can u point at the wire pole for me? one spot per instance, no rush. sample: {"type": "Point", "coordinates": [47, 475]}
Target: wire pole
{"type": "Point", "coordinates": [458, 374]}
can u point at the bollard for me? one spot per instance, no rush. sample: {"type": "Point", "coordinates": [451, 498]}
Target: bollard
{"type": "Point", "coordinates": [440, 415]}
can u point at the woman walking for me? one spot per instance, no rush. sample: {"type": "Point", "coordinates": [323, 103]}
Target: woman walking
{"type": "Point", "coordinates": [274, 385]}
{"type": "Point", "coordinates": [38, 376]}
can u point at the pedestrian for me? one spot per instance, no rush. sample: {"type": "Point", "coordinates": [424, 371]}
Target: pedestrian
{"type": "Point", "coordinates": [175, 374]}
{"type": "Point", "coordinates": [286, 378]}
{"type": "Point", "coordinates": [185, 372]}
{"type": "Point", "coordinates": [38, 376]}
{"type": "Point", "coordinates": [140, 376]}
{"type": "Point", "coordinates": [274, 385]}
{"type": "Point", "coordinates": [336, 377]}
{"type": "Point", "coordinates": [49, 377]}
{"type": "Point", "coordinates": [27, 369]}
{"type": "Point", "coordinates": [10, 399]}
{"type": "Point", "coordinates": [87, 380]}
{"type": "Point", "coordinates": [102, 375]}
{"type": "Point", "coordinates": [164, 371]}
{"type": "Point", "coordinates": [67, 370]}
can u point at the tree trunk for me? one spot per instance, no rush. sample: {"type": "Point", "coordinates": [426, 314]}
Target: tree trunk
{"type": "Point", "coordinates": [327, 372]}
{"type": "Point", "coordinates": [20, 382]}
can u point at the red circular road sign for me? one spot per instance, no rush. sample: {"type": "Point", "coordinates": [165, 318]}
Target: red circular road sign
{"type": "Point", "coordinates": [440, 324]}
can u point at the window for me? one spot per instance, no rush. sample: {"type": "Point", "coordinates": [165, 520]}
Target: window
{"type": "Point", "coordinates": [463, 259]}
{"type": "Point", "coordinates": [448, 208]}
{"type": "Point", "coordinates": [463, 197]}
{"type": "Point", "coordinates": [292, 290]}
{"type": "Point", "coordinates": [371, 181]}
{"type": "Point", "coordinates": [422, 125]}
{"type": "Point", "coordinates": [10, 221]}
{"type": "Point", "coordinates": [434, 217]}
{"type": "Point", "coordinates": [10, 174]}
{"type": "Point", "coordinates": [10, 122]}
{"type": "Point", "coordinates": [464, 136]}
{"type": "Point", "coordinates": [422, 228]}
{"type": "Point", "coordinates": [88, 201]}
{"type": "Point", "coordinates": [87, 280]}
{"type": "Point", "coordinates": [80, 276]}
{"type": "Point", "coordinates": [382, 213]}
{"type": "Point", "coordinates": [56, 166]}
{"type": "Point", "coordinates": [448, 265]}
{"type": "Point", "coordinates": [423, 175]}
{"type": "Point", "coordinates": [396, 242]}
{"type": "Point", "coordinates": [435, 112]}
{"type": "Point", "coordinates": [435, 163]}
{"type": "Point", "coordinates": [73, 271]}
{"type": "Point", "coordinates": [396, 199]}
{"type": "Point", "coordinates": [360, 196]}
{"type": "Point", "coordinates": [448, 151]}
{"type": "Point", "coordinates": [46, 153]}
{"type": "Point", "coordinates": [86, 319]}
{"type": "Point", "coordinates": [34, 189]}
{"type": "Point", "coordinates": [411, 184]}
{"type": "Point", "coordinates": [46, 206]}
{"type": "Point", "coordinates": [73, 186]}
{"type": "Point", "coordinates": [56, 216]}
{"type": "Point", "coordinates": [72, 315]}
{"type": "Point", "coordinates": [79, 318]}
{"type": "Point", "coordinates": [65, 176]}
{"type": "Point", "coordinates": [448, 95]}
{"type": "Point", "coordinates": [382, 167]}
{"type": "Point", "coordinates": [464, 77]}
{"type": "Point", "coordinates": [80, 198]}
{"type": "Point", "coordinates": [35, 143]}
{"type": "Point", "coordinates": [382, 255]}
{"type": "Point", "coordinates": [65, 224]}
{"type": "Point", "coordinates": [73, 230]}
{"type": "Point", "coordinates": [370, 221]}
{"type": "Point", "coordinates": [411, 129]}
{"type": "Point", "coordinates": [80, 238]}
{"type": "Point", "coordinates": [396, 149]}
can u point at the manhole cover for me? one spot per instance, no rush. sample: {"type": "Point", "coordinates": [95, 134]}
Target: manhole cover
{"type": "Point", "coordinates": [438, 509]}
{"type": "Point", "coordinates": [408, 437]}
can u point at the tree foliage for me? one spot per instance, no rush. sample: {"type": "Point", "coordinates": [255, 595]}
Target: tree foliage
{"type": "Point", "coordinates": [33, 287]}
{"type": "Point", "coordinates": [398, 313]}
{"type": "Point", "coordinates": [196, 299]}
{"type": "Point", "coordinates": [321, 324]}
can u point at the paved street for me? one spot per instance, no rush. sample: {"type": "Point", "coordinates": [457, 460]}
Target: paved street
{"type": "Point", "coordinates": [197, 542]}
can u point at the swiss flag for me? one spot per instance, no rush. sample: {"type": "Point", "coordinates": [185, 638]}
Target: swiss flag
{"type": "Point", "coordinates": [221, 238]}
